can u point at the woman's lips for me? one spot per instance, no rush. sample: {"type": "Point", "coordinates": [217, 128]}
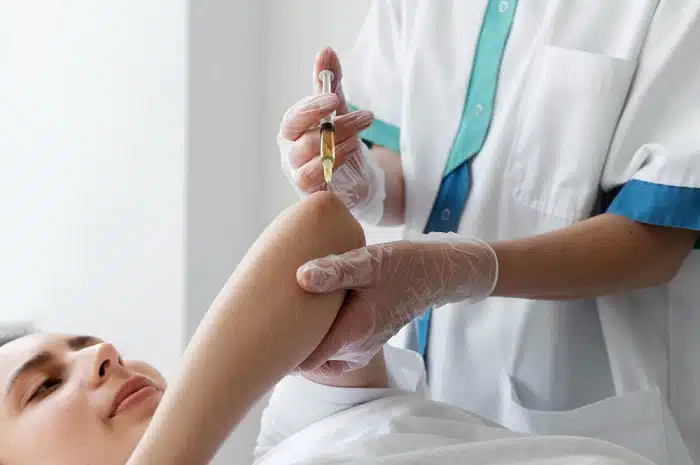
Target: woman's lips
{"type": "Point", "coordinates": [136, 398]}
{"type": "Point", "coordinates": [132, 393]}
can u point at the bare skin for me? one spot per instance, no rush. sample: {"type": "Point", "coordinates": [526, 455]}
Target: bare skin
{"type": "Point", "coordinates": [259, 328]}
{"type": "Point", "coordinates": [60, 412]}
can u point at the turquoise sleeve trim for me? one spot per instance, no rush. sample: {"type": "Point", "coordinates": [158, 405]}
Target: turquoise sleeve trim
{"type": "Point", "coordinates": [382, 133]}
{"type": "Point", "coordinates": [659, 204]}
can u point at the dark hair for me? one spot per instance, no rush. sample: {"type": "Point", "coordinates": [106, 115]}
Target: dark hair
{"type": "Point", "coordinates": [9, 333]}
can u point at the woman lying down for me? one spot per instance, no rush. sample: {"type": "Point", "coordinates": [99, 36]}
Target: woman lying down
{"type": "Point", "coordinates": [73, 400]}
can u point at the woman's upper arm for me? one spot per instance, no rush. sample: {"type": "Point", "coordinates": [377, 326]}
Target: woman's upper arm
{"type": "Point", "coordinates": [260, 326]}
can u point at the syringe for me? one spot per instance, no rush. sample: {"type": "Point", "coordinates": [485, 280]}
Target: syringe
{"type": "Point", "coordinates": [327, 130]}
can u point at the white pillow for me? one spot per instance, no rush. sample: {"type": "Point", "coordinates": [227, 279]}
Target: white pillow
{"type": "Point", "coordinates": [10, 331]}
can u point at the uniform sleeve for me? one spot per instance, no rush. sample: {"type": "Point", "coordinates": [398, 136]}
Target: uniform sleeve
{"type": "Point", "coordinates": [296, 402]}
{"type": "Point", "coordinates": [654, 162]}
{"type": "Point", "coordinates": [372, 74]}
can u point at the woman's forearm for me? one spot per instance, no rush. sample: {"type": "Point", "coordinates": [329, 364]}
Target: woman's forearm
{"type": "Point", "coordinates": [395, 200]}
{"type": "Point", "coordinates": [260, 327]}
{"type": "Point", "coordinates": [605, 255]}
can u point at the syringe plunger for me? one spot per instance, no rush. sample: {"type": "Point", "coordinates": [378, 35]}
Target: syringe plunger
{"type": "Point", "coordinates": [326, 76]}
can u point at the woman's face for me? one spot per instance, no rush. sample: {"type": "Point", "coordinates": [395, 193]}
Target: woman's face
{"type": "Point", "coordinates": [61, 401]}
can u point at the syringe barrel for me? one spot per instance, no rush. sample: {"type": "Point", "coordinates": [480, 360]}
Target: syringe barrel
{"type": "Point", "coordinates": [326, 77]}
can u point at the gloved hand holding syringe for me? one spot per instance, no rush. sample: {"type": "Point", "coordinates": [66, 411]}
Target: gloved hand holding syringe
{"type": "Point", "coordinates": [312, 150]}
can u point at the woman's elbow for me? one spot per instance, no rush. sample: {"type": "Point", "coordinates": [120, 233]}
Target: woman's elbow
{"type": "Point", "coordinates": [330, 222]}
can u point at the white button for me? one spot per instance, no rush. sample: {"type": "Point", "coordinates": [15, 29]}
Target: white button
{"type": "Point", "coordinates": [445, 214]}
{"type": "Point", "coordinates": [503, 6]}
{"type": "Point", "coordinates": [479, 109]}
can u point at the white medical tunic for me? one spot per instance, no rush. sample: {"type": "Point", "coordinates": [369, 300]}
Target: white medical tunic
{"type": "Point", "coordinates": [593, 106]}
{"type": "Point", "coordinates": [306, 423]}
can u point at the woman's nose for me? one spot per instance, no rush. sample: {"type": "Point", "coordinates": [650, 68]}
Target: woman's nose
{"type": "Point", "coordinates": [105, 360]}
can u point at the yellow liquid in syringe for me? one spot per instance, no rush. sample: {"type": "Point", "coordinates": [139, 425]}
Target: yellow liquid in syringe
{"type": "Point", "coordinates": [327, 150]}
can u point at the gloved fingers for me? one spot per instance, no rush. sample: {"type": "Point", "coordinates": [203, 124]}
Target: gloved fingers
{"type": "Point", "coordinates": [351, 124]}
{"type": "Point", "coordinates": [333, 369]}
{"type": "Point", "coordinates": [349, 183]}
{"type": "Point", "coordinates": [353, 269]}
{"type": "Point", "coordinates": [328, 347]}
{"type": "Point", "coordinates": [310, 176]}
{"type": "Point", "coordinates": [304, 149]}
{"type": "Point", "coordinates": [308, 145]}
{"type": "Point", "coordinates": [307, 113]}
{"type": "Point", "coordinates": [328, 59]}
{"type": "Point", "coordinates": [336, 367]}
{"type": "Point", "coordinates": [350, 339]}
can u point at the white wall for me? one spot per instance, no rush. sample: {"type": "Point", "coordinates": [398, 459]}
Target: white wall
{"type": "Point", "coordinates": [226, 188]}
{"type": "Point", "coordinates": [92, 114]}
{"type": "Point", "coordinates": [128, 130]}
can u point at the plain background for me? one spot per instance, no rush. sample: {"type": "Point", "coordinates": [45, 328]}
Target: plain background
{"type": "Point", "coordinates": [139, 162]}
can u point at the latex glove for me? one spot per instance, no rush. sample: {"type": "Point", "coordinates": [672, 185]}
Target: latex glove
{"type": "Point", "coordinates": [392, 284]}
{"type": "Point", "coordinates": [357, 179]}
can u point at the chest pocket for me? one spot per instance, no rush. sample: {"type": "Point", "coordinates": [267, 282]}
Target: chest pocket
{"type": "Point", "coordinates": [565, 123]}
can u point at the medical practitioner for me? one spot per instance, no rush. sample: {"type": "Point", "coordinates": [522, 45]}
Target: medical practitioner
{"type": "Point", "coordinates": [550, 152]}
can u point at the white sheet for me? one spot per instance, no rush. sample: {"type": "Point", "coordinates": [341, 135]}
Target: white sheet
{"type": "Point", "coordinates": [306, 423]}
{"type": "Point", "coordinates": [410, 430]}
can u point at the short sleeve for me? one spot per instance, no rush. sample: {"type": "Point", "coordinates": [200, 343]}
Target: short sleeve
{"type": "Point", "coordinates": [372, 74]}
{"type": "Point", "coordinates": [654, 162]}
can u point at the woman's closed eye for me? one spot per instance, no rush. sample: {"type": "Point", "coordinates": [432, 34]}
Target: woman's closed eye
{"type": "Point", "coordinates": [45, 388]}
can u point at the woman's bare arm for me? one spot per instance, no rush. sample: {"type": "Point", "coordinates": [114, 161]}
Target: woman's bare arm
{"type": "Point", "coordinates": [259, 328]}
